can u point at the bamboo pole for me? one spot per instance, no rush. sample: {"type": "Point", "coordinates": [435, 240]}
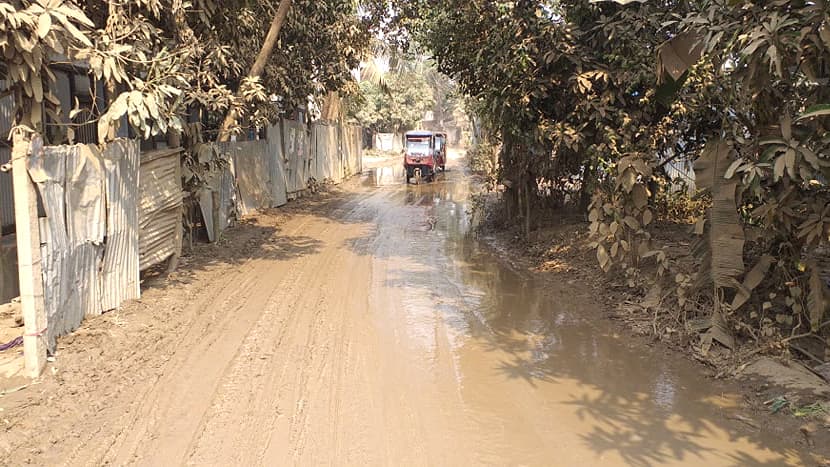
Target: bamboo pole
{"type": "Point", "coordinates": [28, 256]}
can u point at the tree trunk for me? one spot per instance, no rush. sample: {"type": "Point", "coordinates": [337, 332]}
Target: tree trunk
{"type": "Point", "coordinates": [528, 190]}
{"type": "Point", "coordinates": [110, 86]}
{"type": "Point", "coordinates": [586, 190]}
{"type": "Point", "coordinates": [259, 64]}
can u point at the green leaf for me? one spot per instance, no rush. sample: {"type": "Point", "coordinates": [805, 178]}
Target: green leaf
{"type": "Point", "coordinates": [603, 258]}
{"type": "Point", "coordinates": [815, 111]}
{"type": "Point", "coordinates": [75, 32]}
{"type": "Point", "coordinates": [44, 25]}
{"type": "Point", "coordinates": [76, 14]}
{"type": "Point", "coordinates": [730, 172]}
{"type": "Point", "coordinates": [725, 235]}
{"type": "Point", "coordinates": [669, 89]}
{"type": "Point", "coordinates": [647, 217]}
{"type": "Point", "coordinates": [774, 140]}
{"type": "Point", "coordinates": [640, 196]}
{"type": "Point", "coordinates": [787, 127]}
{"type": "Point", "coordinates": [810, 157]}
{"type": "Point", "coordinates": [780, 165]}
{"type": "Point", "coordinates": [790, 161]}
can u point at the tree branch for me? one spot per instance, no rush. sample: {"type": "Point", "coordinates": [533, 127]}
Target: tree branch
{"type": "Point", "coordinates": [259, 64]}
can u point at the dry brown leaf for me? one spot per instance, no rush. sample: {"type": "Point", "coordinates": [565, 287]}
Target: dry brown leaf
{"type": "Point", "coordinates": [726, 234]}
{"type": "Point", "coordinates": [751, 281]}
{"type": "Point", "coordinates": [640, 196]}
{"type": "Point", "coordinates": [678, 54]}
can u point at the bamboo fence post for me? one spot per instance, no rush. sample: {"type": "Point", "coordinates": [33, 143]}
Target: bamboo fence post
{"type": "Point", "coordinates": [28, 256]}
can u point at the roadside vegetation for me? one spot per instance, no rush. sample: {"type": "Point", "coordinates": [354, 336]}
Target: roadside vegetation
{"type": "Point", "coordinates": [605, 108]}
{"type": "Point", "coordinates": [197, 71]}
{"type": "Point", "coordinates": [582, 106]}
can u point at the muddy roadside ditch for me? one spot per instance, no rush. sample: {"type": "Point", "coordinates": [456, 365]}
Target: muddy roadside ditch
{"type": "Point", "coordinates": [777, 387]}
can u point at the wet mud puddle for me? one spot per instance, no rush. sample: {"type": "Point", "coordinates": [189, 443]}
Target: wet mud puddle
{"type": "Point", "coordinates": [500, 369]}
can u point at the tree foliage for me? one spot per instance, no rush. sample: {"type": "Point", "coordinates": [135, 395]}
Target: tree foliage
{"type": "Point", "coordinates": [611, 92]}
{"type": "Point", "coordinates": [399, 107]}
{"type": "Point", "coordinates": [30, 34]}
{"type": "Point", "coordinates": [163, 60]}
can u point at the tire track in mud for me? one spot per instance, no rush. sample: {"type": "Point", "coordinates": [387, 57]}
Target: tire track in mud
{"type": "Point", "coordinates": [249, 389]}
{"type": "Point", "coordinates": [317, 397]}
{"type": "Point", "coordinates": [217, 322]}
{"type": "Point", "coordinates": [389, 341]}
{"type": "Point", "coordinates": [237, 400]}
{"type": "Point", "coordinates": [406, 279]}
{"type": "Point", "coordinates": [96, 448]}
{"type": "Point", "coordinates": [236, 403]}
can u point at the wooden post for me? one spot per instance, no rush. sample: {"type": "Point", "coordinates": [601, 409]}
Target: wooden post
{"type": "Point", "coordinates": [28, 256]}
{"type": "Point", "coordinates": [216, 210]}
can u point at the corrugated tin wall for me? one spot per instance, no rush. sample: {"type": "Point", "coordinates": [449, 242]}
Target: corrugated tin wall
{"type": "Point", "coordinates": [269, 172]}
{"type": "Point", "coordinates": [90, 233]}
{"type": "Point", "coordinates": [680, 171]}
{"type": "Point", "coordinates": [111, 214]}
{"type": "Point", "coordinates": [252, 167]}
{"type": "Point", "coordinates": [63, 308]}
{"type": "Point", "coordinates": [9, 287]}
{"type": "Point", "coordinates": [276, 157]}
{"type": "Point", "coordinates": [86, 222]}
{"type": "Point", "coordinates": [351, 141]}
{"type": "Point", "coordinates": [319, 140]}
{"type": "Point", "coordinates": [298, 157]}
{"type": "Point", "coordinates": [6, 194]}
{"type": "Point", "coordinates": [9, 282]}
{"type": "Point", "coordinates": [119, 272]}
{"type": "Point", "coordinates": [159, 206]}
{"type": "Point", "coordinates": [329, 156]}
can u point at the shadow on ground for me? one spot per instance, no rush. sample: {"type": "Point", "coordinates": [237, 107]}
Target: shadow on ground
{"type": "Point", "coordinates": [646, 407]}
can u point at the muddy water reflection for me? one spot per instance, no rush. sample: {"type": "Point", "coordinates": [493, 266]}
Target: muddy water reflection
{"type": "Point", "coordinates": [540, 377]}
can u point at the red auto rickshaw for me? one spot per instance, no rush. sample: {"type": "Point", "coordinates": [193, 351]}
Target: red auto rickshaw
{"type": "Point", "coordinates": [424, 153]}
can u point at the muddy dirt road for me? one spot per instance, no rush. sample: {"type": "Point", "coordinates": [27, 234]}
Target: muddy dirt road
{"type": "Point", "coordinates": [373, 330]}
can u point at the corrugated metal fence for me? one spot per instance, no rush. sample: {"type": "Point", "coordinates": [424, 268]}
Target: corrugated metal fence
{"type": "Point", "coordinates": [6, 195]}
{"type": "Point", "coordinates": [110, 214]}
{"type": "Point", "coordinates": [297, 157]}
{"type": "Point", "coordinates": [271, 171]}
{"type": "Point", "coordinates": [682, 175]}
{"type": "Point", "coordinates": [90, 233]}
{"type": "Point", "coordinates": [159, 207]}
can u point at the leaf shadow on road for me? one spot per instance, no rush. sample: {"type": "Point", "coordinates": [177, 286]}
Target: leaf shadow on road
{"type": "Point", "coordinates": [259, 237]}
{"type": "Point", "coordinates": [642, 406]}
